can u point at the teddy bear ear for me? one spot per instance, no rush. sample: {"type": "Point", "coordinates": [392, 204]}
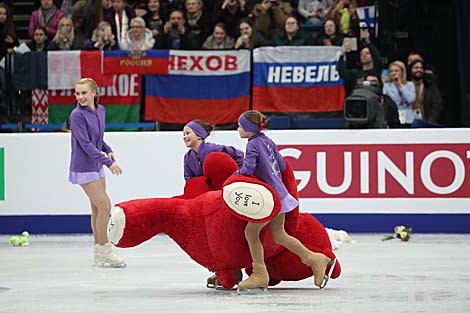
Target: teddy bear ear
{"type": "Point", "coordinates": [250, 199]}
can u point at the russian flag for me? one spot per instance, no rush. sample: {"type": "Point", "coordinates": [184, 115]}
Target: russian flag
{"type": "Point", "coordinates": [297, 79]}
{"type": "Point", "coordinates": [128, 62]}
{"type": "Point", "coordinates": [210, 85]}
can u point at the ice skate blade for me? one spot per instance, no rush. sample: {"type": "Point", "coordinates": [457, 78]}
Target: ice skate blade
{"type": "Point", "coordinates": [252, 292]}
{"type": "Point", "coordinates": [107, 265]}
{"type": "Point", "coordinates": [221, 288]}
{"type": "Point", "coordinates": [327, 277]}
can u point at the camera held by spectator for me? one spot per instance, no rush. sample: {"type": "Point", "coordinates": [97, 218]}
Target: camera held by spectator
{"type": "Point", "coordinates": [363, 108]}
{"type": "Point", "coordinates": [174, 32]}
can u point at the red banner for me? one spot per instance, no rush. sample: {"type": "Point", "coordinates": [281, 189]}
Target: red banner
{"type": "Point", "coordinates": [127, 62]}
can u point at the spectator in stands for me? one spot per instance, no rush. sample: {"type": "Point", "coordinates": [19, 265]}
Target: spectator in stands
{"type": "Point", "coordinates": [413, 56]}
{"type": "Point", "coordinates": [370, 59]}
{"type": "Point", "coordinates": [292, 35]}
{"type": "Point", "coordinates": [429, 70]}
{"type": "Point", "coordinates": [67, 6]}
{"type": "Point", "coordinates": [249, 37]}
{"type": "Point", "coordinates": [389, 107]}
{"type": "Point", "coordinates": [107, 8]}
{"type": "Point", "coordinates": [119, 19]}
{"type": "Point", "coordinates": [155, 17]}
{"type": "Point", "coordinates": [329, 35]}
{"type": "Point", "coordinates": [230, 12]}
{"type": "Point", "coordinates": [198, 21]}
{"type": "Point", "coordinates": [344, 13]}
{"type": "Point", "coordinates": [401, 92]}
{"type": "Point", "coordinates": [102, 38]}
{"type": "Point", "coordinates": [139, 37]}
{"type": "Point", "coordinates": [65, 38]}
{"type": "Point", "coordinates": [175, 34]}
{"type": "Point", "coordinates": [219, 39]}
{"type": "Point", "coordinates": [8, 38]}
{"type": "Point", "coordinates": [270, 16]}
{"type": "Point", "coordinates": [140, 7]}
{"type": "Point", "coordinates": [171, 5]}
{"type": "Point", "coordinates": [314, 11]}
{"type": "Point", "coordinates": [39, 41]}
{"type": "Point", "coordinates": [86, 14]}
{"type": "Point", "coordinates": [47, 16]}
{"type": "Point", "coordinates": [428, 98]}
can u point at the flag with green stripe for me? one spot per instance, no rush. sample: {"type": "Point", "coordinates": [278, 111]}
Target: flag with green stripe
{"type": "Point", "coordinates": [121, 100]}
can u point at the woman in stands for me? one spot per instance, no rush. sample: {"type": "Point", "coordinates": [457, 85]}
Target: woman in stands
{"type": "Point", "coordinates": [65, 38]}
{"type": "Point", "coordinates": [89, 153]}
{"type": "Point", "coordinates": [102, 39]}
{"type": "Point", "coordinates": [249, 38]}
{"type": "Point", "coordinates": [8, 38]}
{"type": "Point", "coordinates": [47, 16]}
{"type": "Point", "coordinates": [39, 41]}
{"type": "Point", "coordinates": [292, 35]}
{"type": "Point", "coordinates": [219, 39]}
{"type": "Point", "coordinates": [402, 92]}
{"type": "Point", "coordinates": [155, 17]}
{"type": "Point", "coordinates": [330, 34]}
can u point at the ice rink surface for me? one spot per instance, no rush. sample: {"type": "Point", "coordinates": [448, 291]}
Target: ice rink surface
{"type": "Point", "coordinates": [430, 273]}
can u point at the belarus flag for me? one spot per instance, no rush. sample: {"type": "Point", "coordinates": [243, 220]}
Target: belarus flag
{"type": "Point", "coordinates": [65, 68]}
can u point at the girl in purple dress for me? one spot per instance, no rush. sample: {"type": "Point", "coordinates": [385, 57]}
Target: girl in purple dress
{"type": "Point", "coordinates": [89, 153]}
{"type": "Point", "coordinates": [262, 159]}
{"type": "Point", "coordinates": [194, 135]}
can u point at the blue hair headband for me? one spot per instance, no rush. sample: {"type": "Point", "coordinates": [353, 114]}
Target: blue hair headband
{"type": "Point", "coordinates": [198, 129]}
{"type": "Point", "coordinates": [247, 125]}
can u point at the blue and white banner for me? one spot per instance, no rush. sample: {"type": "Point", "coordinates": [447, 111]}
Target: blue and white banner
{"type": "Point", "coordinates": [370, 16]}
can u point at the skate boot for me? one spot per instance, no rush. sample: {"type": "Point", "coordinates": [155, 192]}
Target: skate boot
{"type": "Point", "coordinates": [238, 278]}
{"type": "Point", "coordinates": [107, 258]}
{"type": "Point", "coordinates": [96, 254]}
{"type": "Point", "coordinates": [319, 262]}
{"type": "Point", "coordinates": [212, 281]}
{"type": "Point", "coordinates": [258, 280]}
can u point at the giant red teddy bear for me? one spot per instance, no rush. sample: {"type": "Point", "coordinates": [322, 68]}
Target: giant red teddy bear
{"type": "Point", "coordinates": [208, 223]}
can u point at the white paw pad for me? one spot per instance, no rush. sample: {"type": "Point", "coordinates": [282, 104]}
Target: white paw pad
{"type": "Point", "coordinates": [251, 200]}
{"type": "Point", "coordinates": [116, 225]}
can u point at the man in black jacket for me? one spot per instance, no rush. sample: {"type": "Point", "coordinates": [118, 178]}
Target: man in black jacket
{"type": "Point", "coordinates": [428, 98]}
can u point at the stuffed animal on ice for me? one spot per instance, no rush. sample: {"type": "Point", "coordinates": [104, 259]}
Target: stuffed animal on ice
{"type": "Point", "coordinates": [209, 219]}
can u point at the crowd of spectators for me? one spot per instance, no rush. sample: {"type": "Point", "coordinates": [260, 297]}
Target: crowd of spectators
{"type": "Point", "coordinates": [230, 24]}
{"type": "Point", "coordinates": [189, 24]}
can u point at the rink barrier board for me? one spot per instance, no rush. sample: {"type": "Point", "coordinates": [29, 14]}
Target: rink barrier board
{"type": "Point", "coordinates": [353, 223]}
{"type": "Point", "coordinates": [357, 180]}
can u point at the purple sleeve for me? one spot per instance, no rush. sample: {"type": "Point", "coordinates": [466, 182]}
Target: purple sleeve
{"type": "Point", "coordinates": [106, 148]}
{"type": "Point", "coordinates": [251, 160]}
{"type": "Point", "coordinates": [235, 154]}
{"type": "Point", "coordinates": [79, 131]}
{"type": "Point", "coordinates": [187, 169]}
